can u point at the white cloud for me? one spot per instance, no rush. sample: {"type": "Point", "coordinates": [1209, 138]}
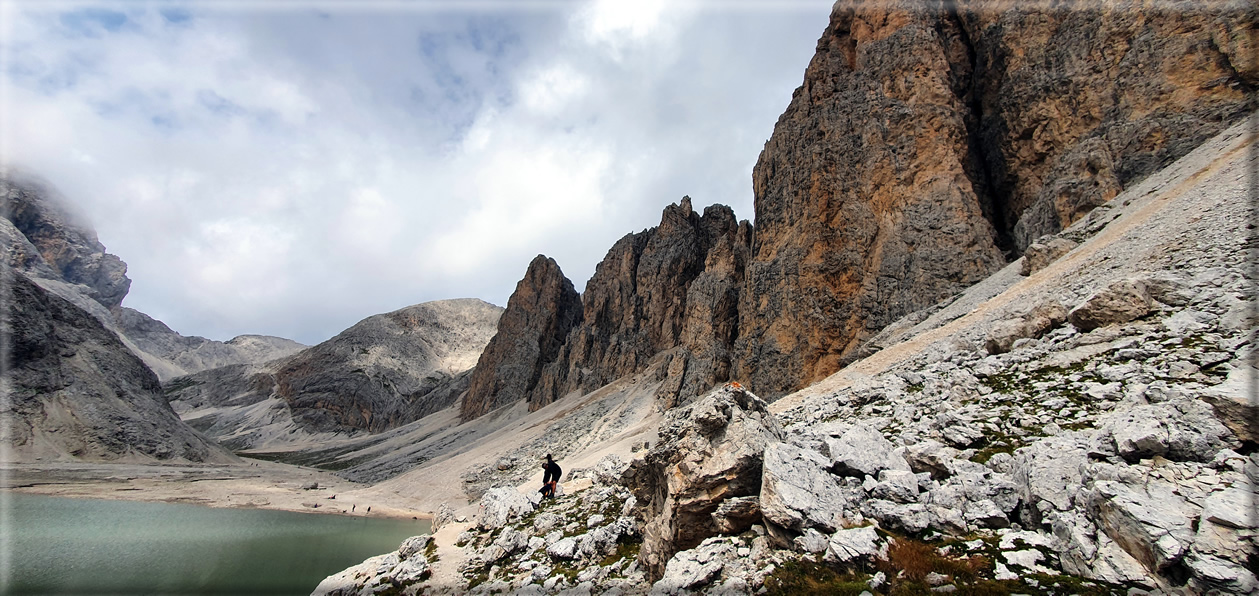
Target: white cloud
{"type": "Point", "coordinates": [288, 173]}
{"type": "Point", "coordinates": [616, 23]}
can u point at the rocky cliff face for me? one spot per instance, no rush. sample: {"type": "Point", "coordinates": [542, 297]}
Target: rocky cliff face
{"type": "Point", "coordinates": [927, 138]}
{"type": "Point", "coordinates": [636, 304]}
{"type": "Point", "coordinates": [77, 392]}
{"type": "Point", "coordinates": [53, 241]}
{"type": "Point", "coordinates": [539, 315]}
{"type": "Point", "coordinates": [383, 372]}
{"type": "Point", "coordinates": [665, 297]}
{"type": "Point", "coordinates": [929, 143]}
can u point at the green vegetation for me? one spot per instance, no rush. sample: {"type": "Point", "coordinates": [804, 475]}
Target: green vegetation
{"type": "Point", "coordinates": [812, 577]}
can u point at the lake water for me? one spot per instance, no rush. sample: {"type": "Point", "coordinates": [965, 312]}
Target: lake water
{"type": "Point", "coordinates": [85, 546]}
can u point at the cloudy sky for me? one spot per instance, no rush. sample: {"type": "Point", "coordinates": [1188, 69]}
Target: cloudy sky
{"type": "Point", "coordinates": [289, 167]}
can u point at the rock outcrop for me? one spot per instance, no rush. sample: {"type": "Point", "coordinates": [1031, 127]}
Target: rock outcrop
{"type": "Point", "coordinates": [709, 452]}
{"type": "Point", "coordinates": [638, 303]}
{"type": "Point", "coordinates": [666, 297]}
{"type": "Point", "coordinates": [531, 331]}
{"type": "Point", "coordinates": [75, 391]}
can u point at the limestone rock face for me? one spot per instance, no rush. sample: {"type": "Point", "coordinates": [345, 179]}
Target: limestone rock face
{"type": "Point", "coordinates": [68, 246]}
{"type": "Point", "coordinates": [667, 297]}
{"type": "Point", "coordinates": [924, 140]}
{"type": "Point", "coordinates": [866, 207]}
{"type": "Point", "coordinates": [708, 452]}
{"type": "Point", "coordinates": [638, 303]}
{"type": "Point", "coordinates": [1081, 100]}
{"type": "Point", "coordinates": [539, 315]}
{"type": "Point", "coordinates": [78, 392]}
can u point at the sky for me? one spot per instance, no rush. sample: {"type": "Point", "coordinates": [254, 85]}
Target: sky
{"type": "Point", "coordinates": [289, 168]}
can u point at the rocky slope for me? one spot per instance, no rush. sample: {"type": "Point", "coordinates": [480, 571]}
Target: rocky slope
{"type": "Point", "coordinates": [384, 372]}
{"type": "Point", "coordinates": [75, 391]}
{"type": "Point", "coordinates": [44, 237]}
{"type": "Point", "coordinates": [1089, 426]}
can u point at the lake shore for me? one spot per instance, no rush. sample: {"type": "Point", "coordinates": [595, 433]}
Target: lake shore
{"type": "Point", "coordinates": [250, 484]}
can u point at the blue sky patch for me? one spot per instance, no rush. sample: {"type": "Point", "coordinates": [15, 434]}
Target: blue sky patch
{"type": "Point", "coordinates": [175, 16]}
{"type": "Point", "coordinates": [91, 21]}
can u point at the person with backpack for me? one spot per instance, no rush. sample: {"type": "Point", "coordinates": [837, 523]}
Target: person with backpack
{"type": "Point", "coordinates": [550, 476]}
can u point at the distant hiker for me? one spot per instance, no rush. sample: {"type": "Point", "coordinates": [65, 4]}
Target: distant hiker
{"type": "Point", "coordinates": [550, 477]}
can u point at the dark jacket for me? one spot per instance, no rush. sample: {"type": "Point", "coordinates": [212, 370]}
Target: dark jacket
{"type": "Point", "coordinates": [552, 473]}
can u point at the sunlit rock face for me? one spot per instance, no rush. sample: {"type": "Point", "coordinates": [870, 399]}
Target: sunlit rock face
{"type": "Point", "coordinates": [925, 141]}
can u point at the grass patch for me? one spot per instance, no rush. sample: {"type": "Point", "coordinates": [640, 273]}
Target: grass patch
{"type": "Point", "coordinates": [624, 550]}
{"type": "Point", "coordinates": [810, 577]}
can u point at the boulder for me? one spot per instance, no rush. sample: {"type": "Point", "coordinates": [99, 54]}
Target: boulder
{"type": "Point", "coordinates": [413, 546]}
{"type": "Point", "coordinates": [931, 457]}
{"type": "Point", "coordinates": [501, 505]}
{"type": "Point", "coordinates": [1151, 523]}
{"type": "Point", "coordinates": [854, 544]}
{"type": "Point", "coordinates": [1034, 324]}
{"type": "Point", "coordinates": [912, 518]}
{"type": "Point", "coordinates": [862, 451]}
{"type": "Point", "coordinates": [1180, 430]}
{"type": "Point", "coordinates": [1235, 403]}
{"type": "Point", "coordinates": [1213, 575]}
{"type": "Point", "coordinates": [1047, 475]}
{"type": "Point", "coordinates": [896, 485]}
{"type": "Point", "coordinates": [443, 516]}
{"type": "Point", "coordinates": [694, 568]}
{"type": "Point", "coordinates": [1233, 507]}
{"type": "Point", "coordinates": [707, 452]}
{"type": "Point", "coordinates": [811, 541]}
{"type": "Point", "coordinates": [797, 492]}
{"type": "Point", "coordinates": [1122, 301]}
{"type": "Point", "coordinates": [564, 548]}
{"type": "Point", "coordinates": [1044, 251]}
{"type": "Point", "coordinates": [737, 514]}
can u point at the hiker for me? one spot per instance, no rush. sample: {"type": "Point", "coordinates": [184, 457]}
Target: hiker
{"type": "Point", "coordinates": [550, 476]}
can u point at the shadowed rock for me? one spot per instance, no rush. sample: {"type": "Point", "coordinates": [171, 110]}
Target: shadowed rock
{"type": "Point", "coordinates": [530, 333]}
{"type": "Point", "coordinates": [708, 452]}
{"type": "Point", "coordinates": [77, 391]}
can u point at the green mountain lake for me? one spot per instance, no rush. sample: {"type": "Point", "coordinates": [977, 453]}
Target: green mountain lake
{"type": "Point", "coordinates": [52, 545]}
